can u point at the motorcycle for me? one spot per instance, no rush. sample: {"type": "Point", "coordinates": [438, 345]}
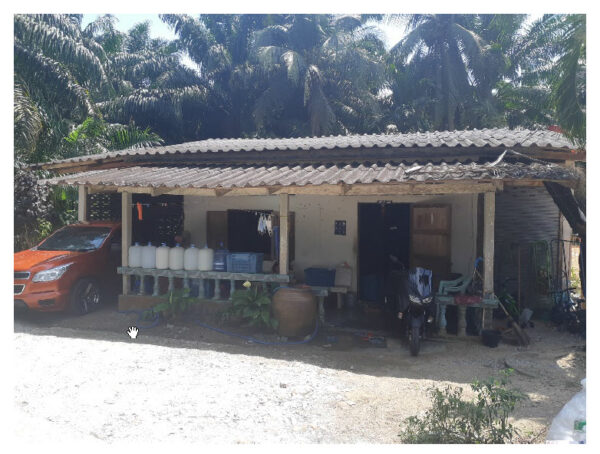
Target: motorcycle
{"type": "Point", "coordinates": [413, 297]}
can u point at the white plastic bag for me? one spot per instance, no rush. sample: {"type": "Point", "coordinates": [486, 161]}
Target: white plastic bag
{"type": "Point", "coordinates": [568, 426]}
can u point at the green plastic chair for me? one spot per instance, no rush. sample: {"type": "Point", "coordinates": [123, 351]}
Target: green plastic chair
{"type": "Point", "coordinates": [458, 285]}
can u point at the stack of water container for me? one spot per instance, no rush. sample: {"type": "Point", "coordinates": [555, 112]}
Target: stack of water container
{"type": "Point", "coordinates": [177, 258]}
{"type": "Point", "coordinates": [193, 259]}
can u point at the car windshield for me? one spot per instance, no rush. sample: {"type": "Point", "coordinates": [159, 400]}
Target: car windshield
{"type": "Point", "coordinates": [75, 239]}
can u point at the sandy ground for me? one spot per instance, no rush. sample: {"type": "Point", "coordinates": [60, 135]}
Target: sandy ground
{"type": "Point", "coordinates": [83, 379]}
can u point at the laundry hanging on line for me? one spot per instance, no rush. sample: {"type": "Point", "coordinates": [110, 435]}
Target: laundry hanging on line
{"type": "Point", "coordinates": [265, 224]}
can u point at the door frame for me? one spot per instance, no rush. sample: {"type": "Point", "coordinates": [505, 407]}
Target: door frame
{"type": "Point", "coordinates": [410, 209]}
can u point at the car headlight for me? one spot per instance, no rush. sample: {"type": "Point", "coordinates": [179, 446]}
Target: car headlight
{"type": "Point", "coordinates": [52, 274]}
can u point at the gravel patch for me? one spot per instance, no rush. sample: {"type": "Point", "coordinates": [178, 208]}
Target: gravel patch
{"type": "Point", "coordinates": [83, 383]}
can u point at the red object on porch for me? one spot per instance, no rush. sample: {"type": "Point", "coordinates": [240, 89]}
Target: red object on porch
{"type": "Point", "coordinates": [467, 299]}
{"type": "Point", "coordinates": [139, 210]}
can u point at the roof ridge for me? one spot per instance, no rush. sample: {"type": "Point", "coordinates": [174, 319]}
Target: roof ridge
{"type": "Point", "coordinates": [466, 138]}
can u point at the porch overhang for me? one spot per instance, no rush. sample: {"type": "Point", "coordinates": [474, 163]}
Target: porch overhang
{"type": "Point", "coordinates": [342, 180]}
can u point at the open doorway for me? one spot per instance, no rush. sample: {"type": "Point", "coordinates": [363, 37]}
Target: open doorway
{"type": "Point", "coordinates": [383, 238]}
{"type": "Point", "coordinates": [383, 242]}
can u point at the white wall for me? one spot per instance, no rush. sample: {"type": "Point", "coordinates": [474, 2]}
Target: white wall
{"type": "Point", "coordinates": [316, 244]}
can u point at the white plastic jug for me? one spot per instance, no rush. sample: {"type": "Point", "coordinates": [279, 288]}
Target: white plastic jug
{"type": "Point", "coordinates": [190, 258]}
{"type": "Point", "coordinates": [205, 258]}
{"type": "Point", "coordinates": [149, 256]}
{"type": "Point", "coordinates": [176, 258]}
{"type": "Point", "coordinates": [162, 257]}
{"type": "Point", "coordinates": [135, 255]}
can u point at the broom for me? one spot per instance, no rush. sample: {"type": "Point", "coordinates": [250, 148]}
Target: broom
{"type": "Point", "coordinates": [522, 335]}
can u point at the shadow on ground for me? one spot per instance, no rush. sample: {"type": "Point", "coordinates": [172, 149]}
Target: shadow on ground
{"type": "Point", "coordinates": [441, 358]}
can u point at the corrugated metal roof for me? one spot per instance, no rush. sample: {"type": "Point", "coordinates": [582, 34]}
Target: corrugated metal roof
{"type": "Point", "coordinates": [476, 138]}
{"type": "Point", "coordinates": [260, 176]}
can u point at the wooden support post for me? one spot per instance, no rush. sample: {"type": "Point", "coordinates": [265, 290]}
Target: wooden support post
{"type": "Point", "coordinates": [489, 212]}
{"type": "Point", "coordinates": [125, 236]}
{"type": "Point", "coordinates": [82, 204]}
{"type": "Point", "coordinates": [284, 207]}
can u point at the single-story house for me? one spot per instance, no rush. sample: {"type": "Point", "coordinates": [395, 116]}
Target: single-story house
{"type": "Point", "coordinates": [438, 200]}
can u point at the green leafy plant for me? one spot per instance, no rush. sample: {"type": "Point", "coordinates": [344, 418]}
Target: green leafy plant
{"type": "Point", "coordinates": [483, 420]}
{"type": "Point", "coordinates": [177, 304]}
{"type": "Point", "coordinates": [252, 305]}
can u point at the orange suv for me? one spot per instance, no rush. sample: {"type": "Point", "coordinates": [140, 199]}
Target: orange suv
{"type": "Point", "coordinates": [73, 269]}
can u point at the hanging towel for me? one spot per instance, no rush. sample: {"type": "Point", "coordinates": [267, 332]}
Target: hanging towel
{"type": "Point", "coordinates": [139, 211]}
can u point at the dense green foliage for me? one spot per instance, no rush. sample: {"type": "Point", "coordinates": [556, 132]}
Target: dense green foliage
{"type": "Point", "coordinates": [253, 306]}
{"type": "Point", "coordinates": [81, 90]}
{"type": "Point", "coordinates": [177, 304]}
{"type": "Point", "coordinates": [451, 419]}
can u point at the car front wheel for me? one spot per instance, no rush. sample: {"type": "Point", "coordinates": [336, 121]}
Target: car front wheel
{"type": "Point", "coordinates": [85, 297]}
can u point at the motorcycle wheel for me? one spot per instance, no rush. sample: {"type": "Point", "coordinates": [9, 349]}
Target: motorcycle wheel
{"type": "Point", "coordinates": [415, 342]}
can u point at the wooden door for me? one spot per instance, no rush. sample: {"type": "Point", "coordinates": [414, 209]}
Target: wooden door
{"type": "Point", "coordinates": [430, 239]}
{"type": "Point", "coordinates": [216, 229]}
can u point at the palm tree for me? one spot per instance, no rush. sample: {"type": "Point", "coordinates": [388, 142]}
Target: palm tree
{"type": "Point", "coordinates": [290, 74]}
{"type": "Point", "coordinates": [60, 74]}
{"type": "Point", "coordinates": [150, 87]}
{"type": "Point", "coordinates": [56, 71]}
{"type": "Point", "coordinates": [323, 75]}
{"type": "Point", "coordinates": [550, 87]}
{"type": "Point", "coordinates": [63, 77]}
{"type": "Point", "coordinates": [445, 68]}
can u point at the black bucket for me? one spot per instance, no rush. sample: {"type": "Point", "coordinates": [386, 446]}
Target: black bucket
{"type": "Point", "coordinates": [491, 337]}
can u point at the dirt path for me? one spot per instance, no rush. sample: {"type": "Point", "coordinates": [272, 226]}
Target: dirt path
{"type": "Point", "coordinates": [84, 383]}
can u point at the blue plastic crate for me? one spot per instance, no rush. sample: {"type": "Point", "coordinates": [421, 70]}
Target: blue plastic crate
{"type": "Point", "coordinates": [319, 277]}
{"type": "Point", "coordinates": [245, 262]}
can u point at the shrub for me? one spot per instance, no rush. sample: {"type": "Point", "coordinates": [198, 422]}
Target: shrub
{"type": "Point", "coordinates": [253, 306]}
{"type": "Point", "coordinates": [451, 419]}
{"type": "Point", "coordinates": [177, 304]}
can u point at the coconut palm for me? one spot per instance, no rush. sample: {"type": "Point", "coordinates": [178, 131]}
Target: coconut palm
{"type": "Point", "coordinates": [448, 65]}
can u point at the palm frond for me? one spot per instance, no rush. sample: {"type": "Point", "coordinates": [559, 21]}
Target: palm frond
{"type": "Point", "coordinates": [51, 76]}
{"type": "Point", "coordinates": [294, 64]}
{"type": "Point", "coordinates": [193, 34]}
{"type": "Point", "coordinates": [320, 113]}
{"type": "Point", "coordinates": [57, 45]}
{"type": "Point", "coordinates": [269, 57]}
{"type": "Point", "coordinates": [274, 35]}
{"type": "Point", "coordinates": [28, 118]}
{"type": "Point", "coordinates": [159, 102]}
